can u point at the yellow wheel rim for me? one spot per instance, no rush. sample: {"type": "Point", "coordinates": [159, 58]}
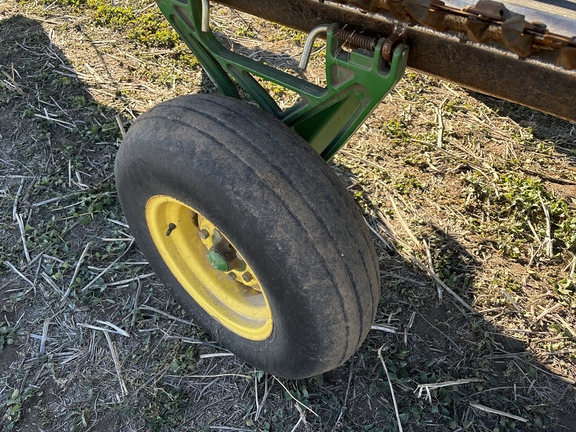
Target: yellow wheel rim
{"type": "Point", "coordinates": [184, 238]}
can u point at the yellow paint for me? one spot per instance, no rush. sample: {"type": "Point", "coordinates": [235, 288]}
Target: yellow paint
{"type": "Point", "coordinates": [240, 306]}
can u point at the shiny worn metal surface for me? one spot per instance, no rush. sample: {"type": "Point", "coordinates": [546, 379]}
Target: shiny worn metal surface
{"type": "Point", "coordinates": [536, 82]}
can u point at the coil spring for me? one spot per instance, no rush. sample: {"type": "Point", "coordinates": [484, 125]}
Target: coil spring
{"type": "Point", "coordinates": [354, 38]}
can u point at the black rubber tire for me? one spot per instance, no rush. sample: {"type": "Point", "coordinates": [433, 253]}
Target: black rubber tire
{"type": "Point", "coordinates": [279, 204]}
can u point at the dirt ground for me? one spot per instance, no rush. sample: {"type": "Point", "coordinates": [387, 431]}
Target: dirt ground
{"type": "Point", "coordinates": [471, 200]}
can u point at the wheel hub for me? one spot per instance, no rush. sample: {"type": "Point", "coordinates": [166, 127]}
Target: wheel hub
{"type": "Point", "coordinates": [209, 267]}
{"type": "Point", "coordinates": [222, 255]}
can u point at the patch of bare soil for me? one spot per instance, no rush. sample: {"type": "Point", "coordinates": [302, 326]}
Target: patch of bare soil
{"type": "Point", "coordinates": [471, 202]}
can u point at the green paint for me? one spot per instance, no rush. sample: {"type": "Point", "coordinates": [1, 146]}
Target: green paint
{"type": "Point", "coordinates": [325, 117]}
{"type": "Point", "coordinates": [218, 261]}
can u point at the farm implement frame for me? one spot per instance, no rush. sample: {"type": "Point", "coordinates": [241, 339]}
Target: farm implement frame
{"type": "Point", "coordinates": [234, 205]}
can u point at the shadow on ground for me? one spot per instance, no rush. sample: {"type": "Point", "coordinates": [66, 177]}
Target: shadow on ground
{"type": "Point", "coordinates": [71, 273]}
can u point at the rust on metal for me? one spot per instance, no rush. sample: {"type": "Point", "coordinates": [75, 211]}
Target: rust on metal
{"type": "Point", "coordinates": [356, 38]}
{"type": "Point", "coordinates": [476, 30]}
{"type": "Point", "coordinates": [390, 43]}
{"type": "Point", "coordinates": [490, 9]}
{"type": "Point", "coordinates": [485, 21]}
{"type": "Point", "coordinates": [424, 13]}
{"type": "Point", "coordinates": [537, 83]}
{"type": "Point", "coordinates": [398, 9]}
{"type": "Point", "coordinates": [359, 39]}
{"type": "Point", "coordinates": [515, 36]}
{"type": "Point", "coordinates": [567, 58]}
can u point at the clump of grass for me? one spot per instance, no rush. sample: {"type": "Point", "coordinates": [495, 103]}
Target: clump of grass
{"type": "Point", "coordinates": [167, 406]}
{"type": "Point", "coordinates": [145, 26]}
{"type": "Point", "coordinates": [520, 212]}
{"type": "Point", "coordinates": [148, 28]}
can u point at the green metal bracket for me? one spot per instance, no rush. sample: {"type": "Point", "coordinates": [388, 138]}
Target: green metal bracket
{"type": "Point", "coordinates": [325, 117]}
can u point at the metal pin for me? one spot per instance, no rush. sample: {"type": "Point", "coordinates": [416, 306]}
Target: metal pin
{"type": "Point", "coordinates": [322, 29]}
{"type": "Point", "coordinates": [205, 16]}
{"type": "Point", "coordinates": [171, 228]}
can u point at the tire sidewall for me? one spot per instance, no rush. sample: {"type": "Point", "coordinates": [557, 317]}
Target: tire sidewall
{"type": "Point", "coordinates": [184, 163]}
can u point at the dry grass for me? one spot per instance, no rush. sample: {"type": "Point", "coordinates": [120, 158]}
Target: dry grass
{"type": "Point", "coordinates": [470, 200]}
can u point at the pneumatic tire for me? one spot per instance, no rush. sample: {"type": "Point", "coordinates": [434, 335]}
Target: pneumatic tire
{"type": "Point", "coordinates": [252, 232]}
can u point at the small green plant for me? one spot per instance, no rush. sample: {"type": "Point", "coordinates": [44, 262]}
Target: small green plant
{"type": "Point", "coordinates": [395, 129]}
{"type": "Point", "coordinates": [7, 336]}
{"type": "Point", "coordinates": [520, 211]}
{"type": "Point", "coordinates": [148, 28]}
{"type": "Point", "coordinates": [565, 290]}
{"type": "Point", "coordinates": [166, 407]}
{"type": "Point", "coordinates": [14, 405]}
{"type": "Point", "coordinates": [421, 161]}
{"type": "Point", "coordinates": [408, 183]}
{"type": "Point", "coordinates": [245, 32]}
{"type": "Point", "coordinates": [184, 360]}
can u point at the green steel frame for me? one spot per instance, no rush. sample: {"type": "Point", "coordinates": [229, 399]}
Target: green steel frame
{"type": "Point", "coordinates": [356, 80]}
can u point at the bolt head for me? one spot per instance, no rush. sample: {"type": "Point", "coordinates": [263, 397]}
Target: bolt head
{"type": "Point", "coordinates": [247, 277]}
{"type": "Point", "coordinates": [203, 234]}
{"type": "Point", "coordinates": [231, 277]}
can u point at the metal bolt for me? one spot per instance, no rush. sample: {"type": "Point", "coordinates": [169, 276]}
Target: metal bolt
{"type": "Point", "coordinates": [203, 234]}
{"type": "Point", "coordinates": [231, 277]}
{"type": "Point", "coordinates": [247, 277]}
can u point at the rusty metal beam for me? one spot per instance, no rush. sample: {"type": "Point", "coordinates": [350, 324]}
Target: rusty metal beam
{"type": "Point", "coordinates": [535, 82]}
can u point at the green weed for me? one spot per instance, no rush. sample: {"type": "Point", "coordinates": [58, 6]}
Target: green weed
{"type": "Point", "coordinates": [167, 406]}
{"type": "Point", "coordinates": [7, 336]}
{"type": "Point", "coordinates": [519, 211]}
{"type": "Point", "coordinates": [144, 27]}
{"type": "Point", "coordinates": [408, 183]}
{"type": "Point", "coordinates": [15, 402]}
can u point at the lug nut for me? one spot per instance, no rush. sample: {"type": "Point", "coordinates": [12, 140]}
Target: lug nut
{"type": "Point", "coordinates": [247, 277]}
{"type": "Point", "coordinates": [203, 234]}
{"type": "Point", "coordinates": [231, 277]}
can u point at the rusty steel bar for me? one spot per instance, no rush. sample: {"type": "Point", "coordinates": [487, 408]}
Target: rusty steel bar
{"type": "Point", "coordinates": [535, 82]}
